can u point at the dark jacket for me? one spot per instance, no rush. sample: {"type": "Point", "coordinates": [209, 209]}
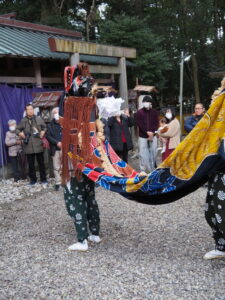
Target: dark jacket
{"type": "Point", "coordinates": [147, 120]}
{"type": "Point", "coordinates": [54, 136]}
{"type": "Point", "coordinates": [28, 126]}
{"type": "Point", "coordinates": [191, 121]}
{"type": "Point", "coordinates": [116, 132]}
{"type": "Point", "coordinates": [106, 128]}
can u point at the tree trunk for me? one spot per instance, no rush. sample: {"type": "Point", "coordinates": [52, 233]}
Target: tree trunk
{"type": "Point", "coordinates": [139, 8]}
{"type": "Point", "coordinates": [217, 26]}
{"type": "Point", "coordinates": [195, 78]}
{"type": "Point", "coordinates": [44, 12]}
{"type": "Point", "coordinates": [89, 21]}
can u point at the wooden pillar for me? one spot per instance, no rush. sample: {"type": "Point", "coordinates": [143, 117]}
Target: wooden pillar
{"type": "Point", "coordinates": [123, 80]}
{"type": "Point", "coordinates": [37, 72]}
{"type": "Point", "coordinates": [74, 59]}
{"type": "Point", "coordinates": [112, 77]}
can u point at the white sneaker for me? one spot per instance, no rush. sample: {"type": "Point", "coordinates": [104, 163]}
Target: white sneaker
{"type": "Point", "coordinates": [95, 238]}
{"type": "Point", "coordinates": [80, 246]}
{"type": "Point", "coordinates": [214, 254]}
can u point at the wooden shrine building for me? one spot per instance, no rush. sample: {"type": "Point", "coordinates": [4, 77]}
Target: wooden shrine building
{"type": "Point", "coordinates": [37, 54]}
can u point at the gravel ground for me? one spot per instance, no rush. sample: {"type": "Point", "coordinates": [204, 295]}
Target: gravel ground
{"type": "Point", "coordinates": [147, 252]}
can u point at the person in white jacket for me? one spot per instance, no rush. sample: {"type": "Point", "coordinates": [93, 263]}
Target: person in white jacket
{"type": "Point", "coordinates": [13, 141]}
{"type": "Point", "coordinates": [170, 132]}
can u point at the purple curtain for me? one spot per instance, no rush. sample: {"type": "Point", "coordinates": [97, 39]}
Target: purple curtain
{"type": "Point", "coordinates": [13, 100]}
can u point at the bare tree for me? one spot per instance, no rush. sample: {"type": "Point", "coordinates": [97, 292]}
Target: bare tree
{"type": "Point", "coordinates": [90, 19]}
{"type": "Point", "coordinates": [59, 6]}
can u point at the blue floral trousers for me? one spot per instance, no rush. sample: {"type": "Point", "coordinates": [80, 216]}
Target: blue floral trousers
{"type": "Point", "coordinates": [215, 209]}
{"type": "Point", "coordinates": [82, 206]}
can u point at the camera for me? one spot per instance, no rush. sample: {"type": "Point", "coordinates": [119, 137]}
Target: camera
{"type": "Point", "coordinates": [36, 134]}
{"type": "Point", "coordinates": [26, 140]}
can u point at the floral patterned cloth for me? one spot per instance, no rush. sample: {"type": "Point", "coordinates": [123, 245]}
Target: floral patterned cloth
{"type": "Point", "coordinates": [215, 209]}
{"type": "Point", "coordinates": [81, 205]}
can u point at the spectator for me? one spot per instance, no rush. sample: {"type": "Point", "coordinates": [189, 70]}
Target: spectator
{"type": "Point", "coordinates": [191, 121]}
{"type": "Point", "coordinates": [14, 146]}
{"type": "Point", "coordinates": [147, 120]}
{"type": "Point", "coordinates": [54, 136]}
{"type": "Point", "coordinates": [171, 133]}
{"type": "Point", "coordinates": [32, 129]}
{"type": "Point", "coordinates": [120, 137]}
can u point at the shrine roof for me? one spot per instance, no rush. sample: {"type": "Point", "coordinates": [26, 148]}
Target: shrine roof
{"type": "Point", "coordinates": [29, 40]}
{"type": "Point", "coordinates": [25, 42]}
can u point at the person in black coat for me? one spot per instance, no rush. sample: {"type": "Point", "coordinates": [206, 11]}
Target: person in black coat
{"type": "Point", "coordinates": [54, 136]}
{"type": "Point", "coordinates": [120, 137]}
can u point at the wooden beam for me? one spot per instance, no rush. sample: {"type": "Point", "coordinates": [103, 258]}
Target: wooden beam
{"type": "Point", "coordinates": [15, 79]}
{"type": "Point", "coordinates": [123, 80]}
{"type": "Point", "coordinates": [70, 46]}
{"type": "Point", "coordinates": [99, 69]}
{"type": "Point", "coordinates": [95, 69]}
{"type": "Point", "coordinates": [74, 59]}
{"type": "Point", "coordinates": [37, 72]}
{"type": "Point", "coordinates": [103, 80]}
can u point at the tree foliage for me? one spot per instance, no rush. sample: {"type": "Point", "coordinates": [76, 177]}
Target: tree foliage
{"type": "Point", "coordinates": [152, 61]}
{"type": "Point", "coordinates": [158, 29]}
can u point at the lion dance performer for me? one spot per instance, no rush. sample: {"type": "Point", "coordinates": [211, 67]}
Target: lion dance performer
{"type": "Point", "coordinates": [79, 191]}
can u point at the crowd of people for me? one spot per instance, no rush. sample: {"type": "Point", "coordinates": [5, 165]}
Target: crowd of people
{"type": "Point", "coordinates": [26, 140]}
{"type": "Point", "coordinates": [26, 143]}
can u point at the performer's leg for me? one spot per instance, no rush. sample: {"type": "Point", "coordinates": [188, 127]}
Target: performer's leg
{"type": "Point", "coordinates": [219, 207]}
{"type": "Point", "coordinates": [215, 214]}
{"type": "Point", "coordinates": [92, 207]}
{"type": "Point", "coordinates": [209, 206]}
{"type": "Point", "coordinates": [76, 207]}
